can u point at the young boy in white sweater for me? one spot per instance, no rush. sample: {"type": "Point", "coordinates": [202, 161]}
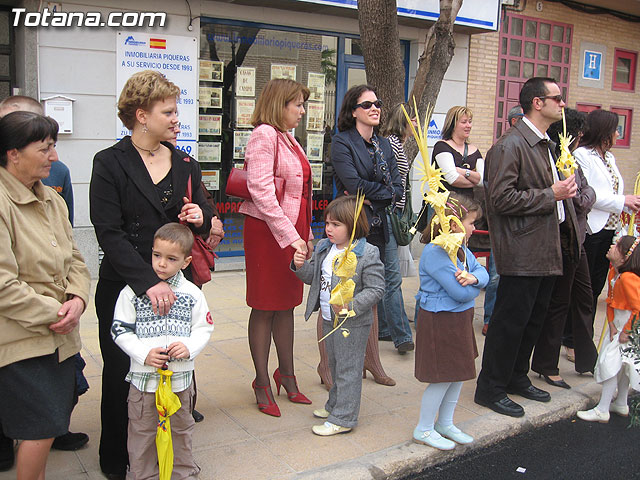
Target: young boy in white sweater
{"type": "Point", "coordinates": [153, 341]}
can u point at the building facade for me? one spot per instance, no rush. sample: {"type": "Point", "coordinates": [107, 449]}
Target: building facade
{"type": "Point", "coordinates": [592, 56]}
{"type": "Point", "coordinates": [221, 55]}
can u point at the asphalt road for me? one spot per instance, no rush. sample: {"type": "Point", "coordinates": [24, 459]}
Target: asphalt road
{"type": "Point", "coordinates": [570, 449]}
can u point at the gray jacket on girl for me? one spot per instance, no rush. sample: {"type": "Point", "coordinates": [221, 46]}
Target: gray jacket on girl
{"type": "Point", "coordinates": [369, 279]}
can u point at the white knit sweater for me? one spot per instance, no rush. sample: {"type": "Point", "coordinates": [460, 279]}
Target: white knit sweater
{"type": "Point", "coordinates": [136, 329]}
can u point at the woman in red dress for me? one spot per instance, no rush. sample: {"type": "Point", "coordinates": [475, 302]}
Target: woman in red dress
{"type": "Point", "coordinates": [273, 231]}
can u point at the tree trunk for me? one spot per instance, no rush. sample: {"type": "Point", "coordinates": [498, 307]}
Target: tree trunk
{"type": "Point", "coordinates": [381, 48]}
{"type": "Point", "coordinates": [433, 64]}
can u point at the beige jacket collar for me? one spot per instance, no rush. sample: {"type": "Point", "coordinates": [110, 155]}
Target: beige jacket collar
{"type": "Point", "coordinates": [18, 192]}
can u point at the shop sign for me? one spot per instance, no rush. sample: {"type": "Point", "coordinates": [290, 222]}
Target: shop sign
{"type": "Point", "coordinates": [482, 14]}
{"type": "Point", "coordinates": [176, 57]}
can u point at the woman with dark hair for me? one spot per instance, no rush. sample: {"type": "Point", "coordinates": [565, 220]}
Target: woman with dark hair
{"type": "Point", "coordinates": [137, 185]}
{"type": "Point", "coordinates": [365, 162]}
{"type": "Point", "coordinates": [45, 289]}
{"type": "Point", "coordinates": [273, 231]}
{"type": "Point", "coordinates": [571, 302]}
{"type": "Point", "coordinates": [599, 166]}
{"type": "Point", "coordinates": [460, 161]}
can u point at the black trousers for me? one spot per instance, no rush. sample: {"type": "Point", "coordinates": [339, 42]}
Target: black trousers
{"type": "Point", "coordinates": [113, 405]}
{"type": "Point", "coordinates": [596, 247]}
{"type": "Point", "coordinates": [521, 306]}
{"type": "Point", "coordinates": [571, 300]}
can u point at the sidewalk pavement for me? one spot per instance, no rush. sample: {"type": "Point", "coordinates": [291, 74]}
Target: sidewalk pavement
{"type": "Point", "coordinates": [236, 441]}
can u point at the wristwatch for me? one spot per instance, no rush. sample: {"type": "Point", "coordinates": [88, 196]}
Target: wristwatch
{"type": "Point", "coordinates": [467, 173]}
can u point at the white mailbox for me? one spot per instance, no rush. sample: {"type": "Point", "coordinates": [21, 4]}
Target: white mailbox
{"type": "Point", "coordinates": [60, 108]}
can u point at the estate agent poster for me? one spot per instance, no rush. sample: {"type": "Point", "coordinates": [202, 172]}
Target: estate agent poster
{"type": "Point", "coordinates": [211, 71]}
{"type": "Point", "coordinates": [211, 179]}
{"type": "Point", "coordinates": [315, 116]}
{"type": "Point", "coordinates": [246, 82]}
{"type": "Point", "coordinates": [209, 152]}
{"type": "Point", "coordinates": [316, 176]}
{"type": "Point", "coordinates": [283, 71]}
{"type": "Point", "coordinates": [210, 125]}
{"type": "Point", "coordinates": [315, 144]}
{"type": "Point", "coordinates": [211, 97]}
{"type": "Point", "coordinates": [240, 140]}
{"type": "Point", "coordinates": [316, 87]}
{"type": "Point", "coordinates": [244, 111]}
{"type": "Point", "coordinates": [176, 57]}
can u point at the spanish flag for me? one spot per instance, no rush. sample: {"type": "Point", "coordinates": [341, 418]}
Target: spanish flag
{"type": "Point", "coordinates": [158, 43]}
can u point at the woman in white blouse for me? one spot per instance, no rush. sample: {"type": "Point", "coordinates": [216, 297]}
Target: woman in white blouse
{"type": "Point", "coordinates": [460, 161]}
{"type": "Point", "coordinates": [599, 167]}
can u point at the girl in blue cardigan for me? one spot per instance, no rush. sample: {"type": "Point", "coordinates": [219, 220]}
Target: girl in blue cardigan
{"type": "Point", "coordinates": [445, 342]}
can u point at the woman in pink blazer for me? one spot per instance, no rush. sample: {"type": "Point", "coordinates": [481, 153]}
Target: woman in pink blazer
{"type": "Point", "coordinates": [273, 231]}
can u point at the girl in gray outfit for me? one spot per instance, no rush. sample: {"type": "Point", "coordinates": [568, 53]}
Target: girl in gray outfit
{"type": "Point", "coordinates": [346, 346]}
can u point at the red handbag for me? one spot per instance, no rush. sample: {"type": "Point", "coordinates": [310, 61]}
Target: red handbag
{"type": "Point", "coordinates": [202, 256]}
{"type": "Point", "coordinates": [237, 180]}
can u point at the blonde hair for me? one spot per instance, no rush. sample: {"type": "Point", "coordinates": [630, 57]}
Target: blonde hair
{"type": "Point", "coordinates": [396, 123]}
{"type": "Point", "coordinates": [273, 100]}
{"type": "Point", "coordinates": [451, 120]}
{"type": "Point", "coordinates": [143, 90]}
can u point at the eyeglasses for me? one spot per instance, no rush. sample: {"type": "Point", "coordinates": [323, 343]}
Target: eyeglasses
{"type": "Point", "coordinates": [366, 105]}
{"type": "Point", "coordinates": [557, 98]}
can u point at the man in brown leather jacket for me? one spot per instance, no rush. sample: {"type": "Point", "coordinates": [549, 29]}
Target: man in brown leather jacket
{"type": "Point", "coordinates": [526, 204]}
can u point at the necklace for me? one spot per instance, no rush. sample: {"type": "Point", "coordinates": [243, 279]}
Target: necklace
{"type": "Point", "coordinates": [151, 152]}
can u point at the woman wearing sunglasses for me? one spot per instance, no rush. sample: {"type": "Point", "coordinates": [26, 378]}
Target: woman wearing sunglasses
{"type": "Point", "coordinates": [365, 161]}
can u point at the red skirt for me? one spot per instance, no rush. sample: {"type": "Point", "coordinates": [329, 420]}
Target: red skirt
{"type": "Point", "coordinates": [271, 285]}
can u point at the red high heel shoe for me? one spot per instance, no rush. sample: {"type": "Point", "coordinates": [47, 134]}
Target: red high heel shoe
{"type": "Point", "coordinates": [272, 407]}
{"type": "Point", "coordinates": [296, 397]}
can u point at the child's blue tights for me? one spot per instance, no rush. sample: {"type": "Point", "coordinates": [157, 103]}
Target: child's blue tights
{"type": "Point", "coordinates": [440, 399]}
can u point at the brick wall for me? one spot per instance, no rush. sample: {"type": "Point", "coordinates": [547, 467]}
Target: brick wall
{"type": "Point", "coordinates": [602, 29]}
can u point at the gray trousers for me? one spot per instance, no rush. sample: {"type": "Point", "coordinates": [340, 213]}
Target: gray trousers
{"type": "Point", "coordinates": [141, 444]}
{"type": "Point", "coordinates": [346, 361]}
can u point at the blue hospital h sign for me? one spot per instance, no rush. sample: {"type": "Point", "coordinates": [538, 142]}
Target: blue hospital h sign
{"type": "Point", "coordinates": [592, 65]}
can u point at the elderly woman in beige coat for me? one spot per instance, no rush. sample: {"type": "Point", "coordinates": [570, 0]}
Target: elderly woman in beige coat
{"type": "Point", "coordinates": [45, 289]}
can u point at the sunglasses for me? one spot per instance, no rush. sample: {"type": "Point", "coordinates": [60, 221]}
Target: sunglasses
{"type": "Point", "coordinates": [557, 98]}
{"type": "Point", "coordinates": [366, 105]}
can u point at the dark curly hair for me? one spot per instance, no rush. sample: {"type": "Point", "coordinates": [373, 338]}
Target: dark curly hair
{"type": "Point", "coordinates": [575, 121]}
{"type": "Point", "coordinates": [349, 102]}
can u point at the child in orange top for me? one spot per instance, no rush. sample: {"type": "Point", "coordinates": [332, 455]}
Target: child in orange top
{"type": "Point", "coordinates": [614, 368]}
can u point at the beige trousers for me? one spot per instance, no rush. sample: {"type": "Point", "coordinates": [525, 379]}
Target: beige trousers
{"type": "Point", "coordinates": [141, 443]}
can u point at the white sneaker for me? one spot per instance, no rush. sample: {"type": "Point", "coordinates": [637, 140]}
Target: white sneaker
{"type": "Point", "coordinates": [328, 428]}
{"type": "Point", "coordinates": [594, 415]}
{"type": "Point", "coordinates": [622, 410]}
{"type": "Point", "coordinates": [321, 413]}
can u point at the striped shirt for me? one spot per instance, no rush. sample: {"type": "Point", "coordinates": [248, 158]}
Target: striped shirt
{"type": "Point", "coordinates": [403, 167]}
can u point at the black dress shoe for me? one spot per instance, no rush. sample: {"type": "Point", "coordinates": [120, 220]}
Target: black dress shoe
{"type": "Point", "coordinates": [7, 454]}
{"type": "Point", "coordinates": [386, 338]}
{"type": "Point", "coordinates": [556, 383]}
{"type": "Point", "coordinates": [504, 406]}
{"type": "Point", "coordinates": [70, 441]}
{"type": "Point", "coordinates": [197, 416]}
{"type": "Point", "coordinates": [532, 393]}
{"type": "Point", "coordinates": [115, 476]}
{"type": "Point", "coordinates": [405, 347]}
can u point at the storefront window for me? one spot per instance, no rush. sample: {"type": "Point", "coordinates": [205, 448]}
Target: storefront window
{"type": "Point", "coordinates": [236, 62]}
